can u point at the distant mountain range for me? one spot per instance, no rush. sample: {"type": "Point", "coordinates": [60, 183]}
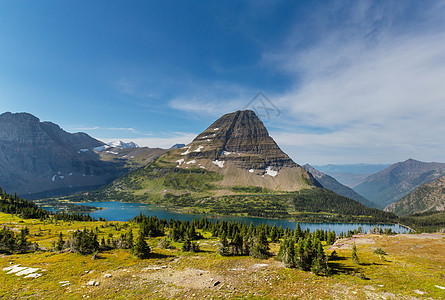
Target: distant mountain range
{"type": "Point", "coordinates": [351, 174]}
{"type": "Point", "coordinates": [430, 197]}
{"type": "Point", "coordinates": [398, 180]}
{"type": "Point", "coordinates": [331, 184]}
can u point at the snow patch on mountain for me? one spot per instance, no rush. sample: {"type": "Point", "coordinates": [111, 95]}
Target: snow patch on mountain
{"type": "Point", "coordinates": [121, 144]}
{"type": "Point", "coordinates": [219, 163]}
{"type": "Point", "coordinates": [271, 172]}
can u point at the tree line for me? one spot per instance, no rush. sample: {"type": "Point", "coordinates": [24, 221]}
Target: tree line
{"type": "Point", "coordinates": [13, 204]}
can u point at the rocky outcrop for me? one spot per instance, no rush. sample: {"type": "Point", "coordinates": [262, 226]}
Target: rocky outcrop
{"type": "Point", "coordinates": [238, 147]}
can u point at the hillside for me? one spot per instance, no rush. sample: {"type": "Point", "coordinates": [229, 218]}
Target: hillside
{"type": "Point", "coordinates": [333, 185]}
{"type": "Point", "coordinates": [429, 197]}
{"type": "Point", "coordinates": [131, 157]}
{"type": "Point", "coordinates": [398, 180]}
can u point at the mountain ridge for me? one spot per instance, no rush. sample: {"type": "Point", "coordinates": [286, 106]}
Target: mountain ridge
{"type": "Point", "coordinates": [39, 156]}
{"type": "Point", "coordinates": [398, 180]}
{"type": "Point", "coordinates": [330, 183]}
{"type": "Point", "coordinates": [430, 197]}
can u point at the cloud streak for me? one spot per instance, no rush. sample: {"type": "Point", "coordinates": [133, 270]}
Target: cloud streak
{"type": "Point", "coordinates": [376, 91]}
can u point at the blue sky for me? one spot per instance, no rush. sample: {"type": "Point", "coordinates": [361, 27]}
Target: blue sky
{"type": "Point", "coordinates": [355, 81]}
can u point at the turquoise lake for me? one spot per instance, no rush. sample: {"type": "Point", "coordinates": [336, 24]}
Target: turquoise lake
{"type": "Point", "coordinates": [120, 211]}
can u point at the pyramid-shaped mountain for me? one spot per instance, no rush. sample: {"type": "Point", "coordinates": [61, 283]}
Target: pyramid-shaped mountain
{"type": "Point", "coordinates": [238, 146]}
{"type": "Point", "coordinates": [240, 138]}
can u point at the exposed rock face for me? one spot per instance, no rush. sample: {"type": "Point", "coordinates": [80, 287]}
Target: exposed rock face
{"type": "Point", "coordinates": [331, 184]}
{"type": "Point", "coordinates": [241, 138]}
{"type": "Point", "coordinates": [428, 197]}
{"type": "Point", "coordinates": [396, 181]}
{"type": "Point", "coordinates": [39, 156]}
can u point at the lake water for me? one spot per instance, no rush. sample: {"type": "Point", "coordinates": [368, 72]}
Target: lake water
{"type": "Point", "coordinates": [120, 211]}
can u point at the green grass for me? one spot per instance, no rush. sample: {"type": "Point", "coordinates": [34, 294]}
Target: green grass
{"type": "Point", "coordinates": [413, 262]}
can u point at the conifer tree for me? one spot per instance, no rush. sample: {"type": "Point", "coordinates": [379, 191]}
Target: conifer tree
{"type": "Point", "coordinates": [260, 246]}
{"type": "Point", "coordinates": [60, 242]}
{"type": "Point", "coordinates": [223, 247]}
{"type": "Point", "coordinates": [354, 254]}
{"type": "Point", "coordinates": [140, 248]}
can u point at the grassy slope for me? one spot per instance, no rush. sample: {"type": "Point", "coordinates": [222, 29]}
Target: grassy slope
{"type": "Point", "coordinates": [414, 262]}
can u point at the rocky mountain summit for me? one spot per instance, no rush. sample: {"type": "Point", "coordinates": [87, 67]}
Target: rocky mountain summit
{"type": "Point", "coordinates": [239, 147]}
{"type": "Point", "coordinates": [40, 156]}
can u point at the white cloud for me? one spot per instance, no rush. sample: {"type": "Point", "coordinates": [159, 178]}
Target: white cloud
{"type": "Point", "coordinates": [376, 99]}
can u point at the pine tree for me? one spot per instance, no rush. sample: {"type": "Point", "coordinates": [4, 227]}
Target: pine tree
{"type": "Point", "coordinates": [223, 247]}
{"type": "Point", "coordinates": [354, 254]}
{"type": "Point", "coordinates": [22, 242]}
{"type": "Point", "coordinates": [260, 246]}
{"type": "Point", "coordinates": [237, 244]}
{"type": "Point", "coordinates": [140, 248]}
{"type": "Point", "coordinates": [286, 254]}
{"type": "Point", "coordinates": [320, 264]}
{"type": "Point", "coordinates": [60, 242]}
{"type": "Point", "coordinates": [130, 239]}
{"type": "Point", "coordinates": [187, 246]}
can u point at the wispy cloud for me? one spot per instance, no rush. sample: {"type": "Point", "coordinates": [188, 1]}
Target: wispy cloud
{"type": "Point", "coordinates": [377, 89]}
{"type": "Point", "coordinates": [212, 98]}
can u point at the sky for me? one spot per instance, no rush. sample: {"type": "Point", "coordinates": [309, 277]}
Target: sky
{"type": "Point", "coordinates": [343, 81]}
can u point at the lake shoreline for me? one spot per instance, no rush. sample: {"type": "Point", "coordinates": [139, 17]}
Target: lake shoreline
{"type": "Point", "coordinates": [124, 211]}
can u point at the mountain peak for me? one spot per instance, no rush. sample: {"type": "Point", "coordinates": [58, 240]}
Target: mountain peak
{"type": "Point", "coordinates": [238, 147]}
{"type": "Point", "coordinates": [240, 137]}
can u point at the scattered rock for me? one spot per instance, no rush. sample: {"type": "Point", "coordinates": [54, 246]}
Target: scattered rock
{"type": "Point", "coordinates": [419, 292]}
{"type": "Point", "coordinates": [33, 275]}
{"type": "Point", "coordinates": [92, 283]}
{"type": "Point", "coordinates": [107, 275]}
{"type": "Point", "coordinates": [27, 271]}
{"type": "Point", "coordinates": [22, 271]}
{"type": "Point", "coordinates": [216, 283]}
